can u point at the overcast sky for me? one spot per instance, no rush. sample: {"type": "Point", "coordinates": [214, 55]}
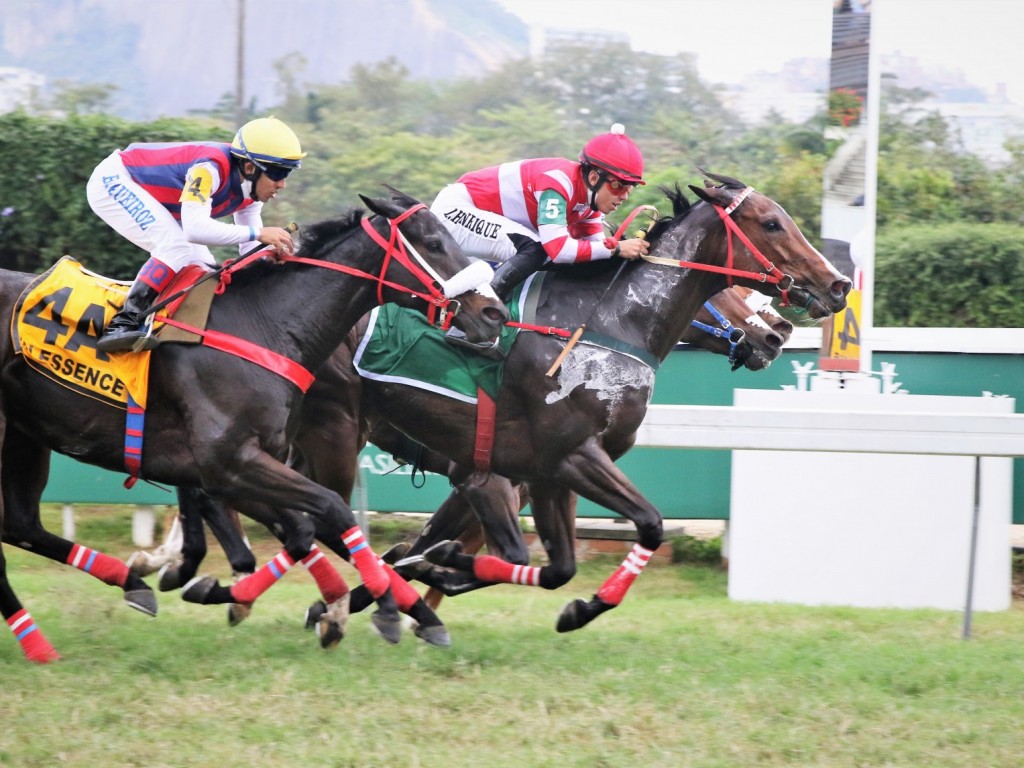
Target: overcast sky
{"type": "Point", "coordinates": [733, 38]}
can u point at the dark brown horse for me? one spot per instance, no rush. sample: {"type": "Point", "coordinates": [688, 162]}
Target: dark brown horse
{"type": "Point", "coordinates": [223, 424]}
{"type": "Point", "coordinates": [562, 433]}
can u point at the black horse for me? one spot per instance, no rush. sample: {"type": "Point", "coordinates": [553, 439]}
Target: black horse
{"type": "Point", "coordinates": [735, 323]}
{"type": "Point", "coordinates": [561, 433]}
{"type": "Point", "coordinates": [220, 423]}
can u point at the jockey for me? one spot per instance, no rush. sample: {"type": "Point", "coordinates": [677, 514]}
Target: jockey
{"type": "Point", "coordinates": [166, 198]}
{"type": "Point", "coordinates": [523, 214]}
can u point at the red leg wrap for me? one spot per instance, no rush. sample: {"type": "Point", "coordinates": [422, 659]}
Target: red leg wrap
{"type": "Point", "coordinates": [103, 567]}
{"type": "Point", "coordinates": [331, 584]}
{"type": "Point", "coordinates": [35, 647]}
{"type": "Point", "coordinates": [405, 595]}
{"type": "Point", "coordinates": [367, 563]}
{"type": "Point", "coordinates": [494, 569]}
{"type": "Point", "coordinates": [247, 589]}
{"type": "Point", "coordinates": [614, 590]}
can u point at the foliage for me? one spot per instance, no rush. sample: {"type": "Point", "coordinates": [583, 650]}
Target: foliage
{"type": "Point", "coordinates": [690, 549]}
{"type": "Point", "coordinates": [950, 275]}
{"type": "Point", "coordinates": [844, 107]}
{"type": "Point", "coordinates": [46, 214]}
{"type": "Point", "coordinates": [381, 126]}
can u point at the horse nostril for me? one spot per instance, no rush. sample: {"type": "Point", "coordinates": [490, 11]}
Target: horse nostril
{"type": "Point", "coordinates": [497, 315]}
{"type": "Point", "coordinates": [841, 287]}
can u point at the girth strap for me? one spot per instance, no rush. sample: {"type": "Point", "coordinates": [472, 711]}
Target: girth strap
{"type": "Point", "coordinates": [485, 410]}
{"type": "Point", "coordinates": [254, 353]}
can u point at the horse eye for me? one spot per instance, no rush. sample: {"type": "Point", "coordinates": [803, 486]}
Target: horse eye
{"type": "Point", "coordinates": [773, 225]}
{"type": "Point", "coordinates": [434, 245]}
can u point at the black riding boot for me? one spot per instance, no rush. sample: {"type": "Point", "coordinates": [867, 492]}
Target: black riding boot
{"type": "Point", "coordinates": [124, 329]}
{"type": "Point", "coordinates": [524, 263]}
{"type": "Point", "coordinates": [510, 274]}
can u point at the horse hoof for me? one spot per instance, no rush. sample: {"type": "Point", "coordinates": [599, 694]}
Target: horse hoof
{"type": "Point", "coordinates": [411, 568]}
{"type": "Point", "coordinates": [237, 613]}
{"type": "Point", "coordinates": [571, 616]}
{"type": "Point", "coordinates": [314, 612]}
{"type": "Point", "coordinates": [169, 577]}
{"type": "Point", "coordinates": [388, 627]}
{"type": "Point", "coordinates": [198, 589]}
{"type": "Point", "coordinates": [331, 627]}
{"type": "Point", "coordinates": [142, 600]}
{"type": "Point", "coordinates": [436, 635]}
{"type": "Point", "coordinates": [140, 563]}
{"type": "Point", "coordinates": [395, 553]}
{"type": "Point", "coordinates": [442, 552]}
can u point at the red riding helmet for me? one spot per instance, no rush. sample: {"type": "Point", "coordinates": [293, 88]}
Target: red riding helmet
{"type": "Point", "coordinates": [615, 153]}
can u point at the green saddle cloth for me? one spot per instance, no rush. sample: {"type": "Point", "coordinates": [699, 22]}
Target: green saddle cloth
{"type": "Point", "coordinates": [400, 346]}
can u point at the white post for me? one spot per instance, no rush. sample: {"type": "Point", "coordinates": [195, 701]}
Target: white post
{"type": "Point", "coordinates": [143, 526]}
{"type": "Point", "coordinates": [68, 520]}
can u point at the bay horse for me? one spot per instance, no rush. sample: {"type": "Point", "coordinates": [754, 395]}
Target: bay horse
{"type": "Point", "coordinates": [737, 323]}
{"type": "Point", "coordinates": [562, 433]}
{"type": "Point", "coordinates": [221, 423]}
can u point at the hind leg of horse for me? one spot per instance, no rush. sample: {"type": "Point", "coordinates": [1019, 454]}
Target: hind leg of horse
{"type": "Point", "coordinates": [33, 644]}
{"type": "Point", "coordinates": [26, 467]}
{"type": "Point", "coordinates": [250, 473]}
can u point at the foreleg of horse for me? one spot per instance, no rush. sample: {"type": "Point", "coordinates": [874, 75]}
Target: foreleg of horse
{"type": "Point", "coordinates": [295, 529]}
{"type": "Point", "coordinates": [592, 474]}
{"type": "Point", "coordinates": [428, 626]}
{"type": "Point", "coordinates": [259, 476]}
{"type": "Point", "coordinates": [25, 470]}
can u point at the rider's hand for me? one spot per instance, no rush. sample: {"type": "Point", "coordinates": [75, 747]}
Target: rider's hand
{"type": "Point", "coordinates": [279, 239]}
{"type": "Point", "coordinates": [633, 248]}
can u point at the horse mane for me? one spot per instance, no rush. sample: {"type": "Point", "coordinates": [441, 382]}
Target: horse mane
{"type": "Point", "coordinates": [314, 237]}
{"type": "Point", "coordinates": [681, 207]}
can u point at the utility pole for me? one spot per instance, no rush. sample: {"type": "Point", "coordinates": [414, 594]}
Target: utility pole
{"type": "Point", "coordinates": [240, 66]}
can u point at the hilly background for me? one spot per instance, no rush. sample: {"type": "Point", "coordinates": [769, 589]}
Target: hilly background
{"type": "Point", "coordinates": [168, 57]}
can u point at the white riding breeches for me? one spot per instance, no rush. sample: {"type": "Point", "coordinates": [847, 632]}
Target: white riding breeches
{"type": "Point", "coordinates": [136, 215]}
{"type": "Point", "coordinates": [481, 234]}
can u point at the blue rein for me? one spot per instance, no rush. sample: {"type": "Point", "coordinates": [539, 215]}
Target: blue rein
{"type": "Point", "coordinates": [725, 329]}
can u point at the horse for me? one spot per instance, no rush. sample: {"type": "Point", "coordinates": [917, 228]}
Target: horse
{"type": "Point", "coordinates": [561, 433]}
{"type": "Point", "coordinates": [224, 423]}
{"type": "Point", "coordinates": [737, 323]}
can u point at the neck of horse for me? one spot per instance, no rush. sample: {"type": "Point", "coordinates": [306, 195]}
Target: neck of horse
{"type": "Point", "coordinates": [304, 312]}
{"type": "Point", "coordinates": [655, 304]}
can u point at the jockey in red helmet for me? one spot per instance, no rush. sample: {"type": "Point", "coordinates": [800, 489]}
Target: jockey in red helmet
{"type": "Point", "coordinates": [525, 213]}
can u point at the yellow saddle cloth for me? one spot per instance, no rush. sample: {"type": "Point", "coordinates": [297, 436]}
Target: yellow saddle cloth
{"type": "Point", "coordinates": [56, 324]}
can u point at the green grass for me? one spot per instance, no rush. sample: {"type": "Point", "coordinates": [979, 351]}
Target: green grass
{"type": "Point", "coordinates": [678, 675]}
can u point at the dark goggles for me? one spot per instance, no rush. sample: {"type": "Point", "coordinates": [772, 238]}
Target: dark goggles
{"type": "Point", "coordinates": [276, 172]}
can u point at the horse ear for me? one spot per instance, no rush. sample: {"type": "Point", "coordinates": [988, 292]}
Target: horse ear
{"type": "Point", "coordinates": [702, 193]}
{"type": "Point", "coordinates": [387, 208]}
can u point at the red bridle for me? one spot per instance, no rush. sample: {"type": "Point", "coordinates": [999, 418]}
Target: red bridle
{"type": "Point", "coordinates": [772, 274]}
{"type": "Point", "coordinates": [395, 247]}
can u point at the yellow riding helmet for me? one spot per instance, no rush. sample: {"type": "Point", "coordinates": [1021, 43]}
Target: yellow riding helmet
{"type": "Point", "coordinates": [268, 140]}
